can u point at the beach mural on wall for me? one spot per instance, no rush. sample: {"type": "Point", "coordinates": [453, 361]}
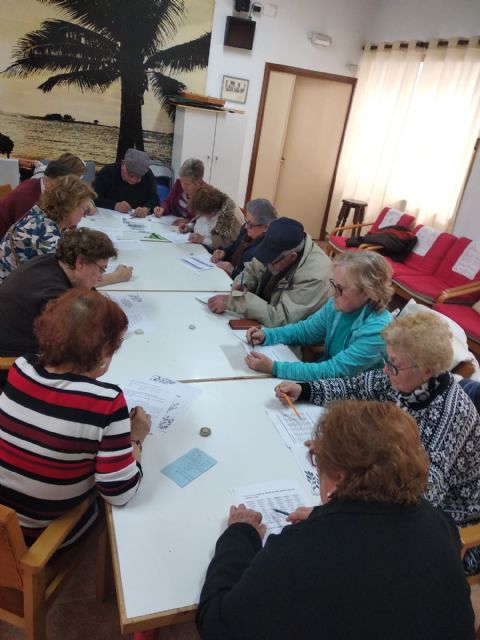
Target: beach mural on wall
{"type": "Point", "coordinates": [92, 77]}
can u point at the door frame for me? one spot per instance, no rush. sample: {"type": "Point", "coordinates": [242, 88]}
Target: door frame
{"type": "Point", "coordinates": [298, 71]}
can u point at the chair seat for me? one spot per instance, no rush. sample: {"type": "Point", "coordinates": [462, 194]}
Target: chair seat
{"type": "Point", "coordinates": [465, 316]}
{"type": "Point", "coordinates": [428, 288]}
{"type": "Point", "coordinates": [339, 243]}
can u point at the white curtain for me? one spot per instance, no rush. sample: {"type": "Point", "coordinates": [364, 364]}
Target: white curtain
{"type": "Point", "coordinates": [415, 118]}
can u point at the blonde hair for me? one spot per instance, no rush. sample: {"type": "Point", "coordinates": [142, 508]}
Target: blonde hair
{"type": "Point", "coordinates": [424, 338]}
{"type": "Point", "coordinates": [64, 196]}
{"type": "Point", "coordinates": [377, 447]}
{"type": "Point", "coordinates": [369, 272]}
{"type": "Point", "coordinates": [76, 165]}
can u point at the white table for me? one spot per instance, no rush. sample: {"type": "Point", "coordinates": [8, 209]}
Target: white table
{"type": "Point", "coordinates": [209, 350]}
{"type": "Point", "coordinates": [159, 267]}
{"type": "Point", "coordinates": [108, 221]}
{"type": "Point", "coordinates": [163, 539]}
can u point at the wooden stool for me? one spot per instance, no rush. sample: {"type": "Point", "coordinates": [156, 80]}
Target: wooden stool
{"type": "Point", "coordinates": [358, 207]}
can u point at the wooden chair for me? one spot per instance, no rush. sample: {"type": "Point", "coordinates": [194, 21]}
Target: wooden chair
{"type": "Point", "coordinates": [5, 190]}
{"type": "Point", "coordinates": [30, 578]}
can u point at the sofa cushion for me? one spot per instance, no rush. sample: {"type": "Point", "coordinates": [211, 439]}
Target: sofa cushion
{"type": "Point", "coordinates": [465, 316]}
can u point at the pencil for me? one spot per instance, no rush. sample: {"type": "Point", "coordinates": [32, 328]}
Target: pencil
{"type": "Point", "coordinates": [284, 513]}
{"type": "Point", "coordinates": [292, 406]}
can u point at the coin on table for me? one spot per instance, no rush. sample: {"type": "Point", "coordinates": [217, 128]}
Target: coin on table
{"type": "Point", "coordinates": [192, 326]}
{"type": "Point", "coordinates": [205, 432]}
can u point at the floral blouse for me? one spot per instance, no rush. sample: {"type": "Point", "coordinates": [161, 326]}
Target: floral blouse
{"type": "Point", "coordinates": [33, 235]}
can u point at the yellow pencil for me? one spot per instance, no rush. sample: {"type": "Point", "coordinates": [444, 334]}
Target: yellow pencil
{"type": "Point", "coordinates": [292, 406]}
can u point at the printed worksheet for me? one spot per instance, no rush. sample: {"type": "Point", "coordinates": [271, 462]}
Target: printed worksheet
{"type": "Point", "coordinates": [278, 352]}
{"type": "Point", "coordinates": [164, 399]}
{"type": "Point", "coordinates": [274, 500]}
{"type": "Point", "coordinates": [136, 311]}
{"type": "Point", "coordinates": [175, 237]}
{"type": "Point", "coordinates": [129, 245]}
{"type": "Point", "coordinates": [291, 428]}
{"type": "Point", "coordinates": [198, 263]}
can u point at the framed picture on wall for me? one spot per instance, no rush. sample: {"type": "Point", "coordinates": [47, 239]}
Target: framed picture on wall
{"type": "Point", "coordinates": [234, 89]}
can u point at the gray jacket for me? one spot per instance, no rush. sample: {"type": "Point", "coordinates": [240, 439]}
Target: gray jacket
{"type": "Point", "coordinates": [298, 294]}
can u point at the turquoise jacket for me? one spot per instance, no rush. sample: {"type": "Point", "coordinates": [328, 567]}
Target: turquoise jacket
{"type": "Point", "coordinates": [362, 348]}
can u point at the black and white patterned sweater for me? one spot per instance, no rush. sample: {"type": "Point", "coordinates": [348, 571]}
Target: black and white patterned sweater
{"type": "Point", "coordinates": [449, 428]}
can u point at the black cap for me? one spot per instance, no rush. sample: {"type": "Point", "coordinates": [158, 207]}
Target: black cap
{"type": "Point", "coordinates": [282, 235]}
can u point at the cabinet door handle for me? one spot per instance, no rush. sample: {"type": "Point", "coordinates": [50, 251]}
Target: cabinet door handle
{"type": "Point", "coordinates": [216, 157]}
{"type": "Point", "coordinates": [208, 157]}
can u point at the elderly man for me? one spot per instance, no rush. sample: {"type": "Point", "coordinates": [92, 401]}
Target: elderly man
{"type": "Point", "coordinates": [127, 186]}
{"type": "Point", "coordinates": [259, 214]}
{"type": "Point", "coordinates": [16, 204]}
{"type": "Point", "coordinates": [285, 282]}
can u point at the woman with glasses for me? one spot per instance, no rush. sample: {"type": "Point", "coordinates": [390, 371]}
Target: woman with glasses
{"type": "Point", "coordinates": [217, 218]}
{"type": "Point", "coordinates": [59, 208]}
{"type": "Point", "coordinates": [374, 561]}
{"type": "Point", "coordinates": [416, 378]}
{"type": "Point", "coordinates": [259, 214]}
{"type": "Point", "coordinates": [349, 325]}
{"type": "Point", "coordinates": [63, 434]}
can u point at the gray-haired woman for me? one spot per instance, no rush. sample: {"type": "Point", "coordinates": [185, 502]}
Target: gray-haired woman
{"type": "Point", "coordinates": [178, 200]}
{"type": "Point", "coordinates": [259, 214]}
{"type": "Point", "coordinates": [349, 324]}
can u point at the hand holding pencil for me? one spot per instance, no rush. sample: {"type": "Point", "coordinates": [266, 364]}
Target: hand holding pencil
{"type": "Point", "coordinates": [288, 392]}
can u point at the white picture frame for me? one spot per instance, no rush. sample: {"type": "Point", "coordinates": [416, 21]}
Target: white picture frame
{"type": "Point", "coordinates": [234, 89]}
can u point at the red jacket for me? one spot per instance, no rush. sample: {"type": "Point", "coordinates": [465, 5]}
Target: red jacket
{"type": "Point", "coordinates": [170, 204]}
{"type": "Point", "coordinates": [16, 204]}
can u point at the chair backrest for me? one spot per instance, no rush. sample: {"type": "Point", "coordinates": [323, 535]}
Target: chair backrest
{"type": "Point", "coordinates": [389, 217]}
{"type": "Point", "coordinates": [431, 247]}
{"type": "Point", "coordinates": [162, 172]}
{"type": "Point", "coordinates": [5, 190]}
{"type": "Point", "coordinates": [461, 264]}
{"type": "Point", "coordinates": [12, 549]}
{"type": "Point", "coordinates": [9, 172]}
{"type": "Point", "coordinates": [91, 170]}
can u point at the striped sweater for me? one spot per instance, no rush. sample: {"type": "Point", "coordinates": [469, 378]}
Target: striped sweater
{"type": "Point", "coordinates": [62, 437]}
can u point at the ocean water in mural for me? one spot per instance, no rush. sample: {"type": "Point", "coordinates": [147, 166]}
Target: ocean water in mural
{"type": "Point", "coordinates": [36, 137]}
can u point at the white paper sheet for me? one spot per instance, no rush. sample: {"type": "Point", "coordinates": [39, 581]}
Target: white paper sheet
{"type": "Point", "coordinates": [392, 217]}
{"type": "Point", "coordinates": [195, 263]}
{"type": "Point", "coordinates": [292, 429]}
{"type": "Point", "coordinates": [136, 311]}
{"type": "Point", "coordinates": [175, 237]}
{"type": "Point", "coordinates": [130, 245]}
{"type": "Point", "coordinates": [283, 495]}
{"type": "Point", "coordinates": [166, 220]}
{"type": "Point", "coordinates": [137, 224]}
{"type": "Point", "coordinates": [426, 236]}
{"type": "Point", "coordinates": [162, 398]}
{"type": "Point", "coordinates": [278, 352]}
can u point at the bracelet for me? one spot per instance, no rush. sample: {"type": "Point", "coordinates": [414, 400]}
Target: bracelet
{"type": "Point", "coordinates": [138, 443]}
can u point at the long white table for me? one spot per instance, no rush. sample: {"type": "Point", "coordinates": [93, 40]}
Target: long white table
{"type": "Point", "coordinates": [164, 538]}
{"type": "Point", "coordinates": [188, 342]}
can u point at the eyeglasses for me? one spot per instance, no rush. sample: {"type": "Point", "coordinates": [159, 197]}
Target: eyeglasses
{"type": "Point", "coordinates": [312, 457]}
{"type": "Point", "coordinates": [337, 289]}
{"type": "Point", "coordinates": [392, 368]}
{"type": "Point", "coordinates": [251, 225]}
{"type": "Point", "coordinates": [102, 269]}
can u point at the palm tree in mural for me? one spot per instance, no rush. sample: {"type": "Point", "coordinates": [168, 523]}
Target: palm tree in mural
{"type": "Point", "coordinates": [113, 40]}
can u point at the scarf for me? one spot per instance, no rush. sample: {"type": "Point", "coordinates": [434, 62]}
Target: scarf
{"type": "Point", "coordinates": [422, 396]}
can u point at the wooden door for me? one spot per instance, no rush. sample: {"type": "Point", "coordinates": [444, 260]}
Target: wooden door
{"type": "Point", "coordinates": [294, 162]}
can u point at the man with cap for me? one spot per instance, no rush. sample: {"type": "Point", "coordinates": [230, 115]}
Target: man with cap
{"type": "Point", "coordinates": [285, 282]}
{"type": "Point", "coordinates": [128, 186]}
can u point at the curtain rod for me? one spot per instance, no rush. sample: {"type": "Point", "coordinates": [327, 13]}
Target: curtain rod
{"type": "Point", "coordinates": [421, 44]}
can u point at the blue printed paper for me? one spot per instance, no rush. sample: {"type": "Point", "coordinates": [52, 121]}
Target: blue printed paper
{"type": "Point", "coordinates": [185, 469]}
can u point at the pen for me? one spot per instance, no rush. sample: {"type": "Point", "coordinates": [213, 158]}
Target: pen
{"type": "Point", "coordinates": [284, 513]}
{"type": "Point", "coordinates": [241, 282]}
{"type": "Point", "coordinates": [291, 405]}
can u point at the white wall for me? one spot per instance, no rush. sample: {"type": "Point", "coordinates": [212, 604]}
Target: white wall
{"type": "Point", "coordinates": [284, 40]}
{"type": "Point", "coordinates": [467, 222]}
{"type": "Point", "coordinates": [424, 19]}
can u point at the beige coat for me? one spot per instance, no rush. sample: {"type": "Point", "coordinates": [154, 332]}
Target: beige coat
{"type": "Point", "coordinates": [297, 295]}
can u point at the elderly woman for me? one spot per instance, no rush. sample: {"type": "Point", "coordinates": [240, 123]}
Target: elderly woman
{"type": "Point", "coordinates": [349, 324]}
{"type": "Point", "coordinates": [217, 219]}
{"type": "Point", "coordinates": [374, 561]}
{"type": "Point", "coordinates": [37, 233]}
{"type": "Point", "coordinates": [416, 378]}
{"type": "Point", "coordinates": [259, 214]}
{"type": "Point", "coordinates": [62, 433]}
{"type": "Point", "coordinates": [177, 203]}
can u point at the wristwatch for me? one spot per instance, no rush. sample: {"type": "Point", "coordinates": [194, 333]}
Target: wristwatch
{"type": "Point", "coordinates": [138, 443]}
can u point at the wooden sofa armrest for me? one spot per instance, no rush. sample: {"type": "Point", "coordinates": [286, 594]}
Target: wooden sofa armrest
{"type": "Point", "coordinates": [456, 292]}
{"type": "Point", "coordinates": [348, 227]}
{"type": "Point", "coordinates": [370, 247]}
{"type": "Point", "coordinates": [470, 536]}
{"type": "Point", "coordinates": [54, 535]}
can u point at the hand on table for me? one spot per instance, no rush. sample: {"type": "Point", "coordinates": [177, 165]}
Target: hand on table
{"type": "Point", "coordinates": [182, 226]}
{"type": "Point", "coordinates": [300, 513]}
{"type": "Point", "coordinates": [123, 206]}
{"type": "Point", "coordinates": [179, 221]}
{"type": "Point", "coordinates": [226, 266]}
{"type": "Point", "coordinates": [242, 514]}
{"type": "Point", "coordinates": [196, 238]}
{"type": "Point", "coordinates": [217, 255]}
{"type": "Point", "coordinates": [255, 336]}
{"type": "Point", "coordinates": [91, 208]}
{"type": "Point", "coordinates": [259, 362]}
{"type": "Point", "coordinates": [218, 304]}
{"type": "Point", "coordinates": [122, 273]}
{"type": "Point", "coordinates": [141, 212]}
{"type": "Point", "coordinates": [158, 211]}
{"type": "Point", "coordinates": [291, 389]}
{"type": "Point", "coordinates": [140, 423]}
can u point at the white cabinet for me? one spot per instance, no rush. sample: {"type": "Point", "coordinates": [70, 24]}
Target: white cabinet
{"type": "Point", "coordinates": [216, 138]}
